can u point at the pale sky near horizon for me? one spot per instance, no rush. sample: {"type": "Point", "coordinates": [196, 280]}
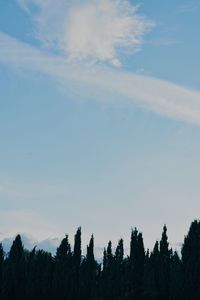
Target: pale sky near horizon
{"type": "Point", "coordinates": [99, 118]}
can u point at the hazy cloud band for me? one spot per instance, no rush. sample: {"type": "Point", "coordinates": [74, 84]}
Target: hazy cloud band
{"type": "Point", "coordinates": [159, 96]}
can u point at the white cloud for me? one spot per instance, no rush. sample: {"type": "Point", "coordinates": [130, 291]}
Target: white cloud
{"type": "Point", "coordinates": [30, 242]}
{"type": "Point", "coordinates": [159, 96]}
{"type": "Point", "coordinates": [50, 245]}
{"type": "Point", "coordinates": [93, 30]}
{"type": "Point", "coordinates": [97, 29]}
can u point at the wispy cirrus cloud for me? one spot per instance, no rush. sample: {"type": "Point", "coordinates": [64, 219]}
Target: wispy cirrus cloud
{"type": "Point", "coordinates": [163, 42]}
{"type": "Point", "coordinates": [159, 96]}
{"type": "Point", "coordinates": [74, 36]}
{"type": "Point", "coordinates": [188, 7]}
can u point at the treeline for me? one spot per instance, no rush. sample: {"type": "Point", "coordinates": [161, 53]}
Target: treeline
{"type": "Point", "coordinates": [142, 275]}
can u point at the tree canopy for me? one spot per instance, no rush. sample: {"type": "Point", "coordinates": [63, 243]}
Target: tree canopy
{"type": "Point", "coordinates": [160, 274]}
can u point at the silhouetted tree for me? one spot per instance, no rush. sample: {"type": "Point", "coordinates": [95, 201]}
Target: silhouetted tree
{"type": "Point", "coordinates": [119, 271]}
{"type": "Point", "coordinates": [191, 263]}
{"type": "Point", "coordinates": [176, 277]}
{"type": "Point", "coordinates": [88, 274]}
{"type": "Point", "coordinates": [14, 275]}
{"type": "Point", "coordinates": [152, 274]}
{"type": "Point", "coordinates": [1, 268]}
{"type": "Point", "coordinates": [76, 266]}
{"type": "Point", "coordinates": [164, 266]}
{"type": "Point", "coordinates": [157, 275]}
{"type": "Point", "coordinates": [136, 266]}
{"type": "Point", "coordinates": [62, 274]}
{"type": "Point", "coordinates": [107, 274]}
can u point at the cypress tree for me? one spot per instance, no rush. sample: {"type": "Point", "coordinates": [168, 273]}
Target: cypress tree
{"type": "Point", "coordinates": [118, 270]}
{"type": "Point", "coordinates": [151, 274]}
{"type": "Point", "coordinates": [43, 275]}
{"type": "Point", "coordinates": [108, 284]}
{"type": "Point", "coordinates": [76, 265]}
{"type": "Point", "coordinates": [191, 263]}
{"type": "Point", "coordinates": [62, 274]}
{"type": "Point", "coordinates": [30, 285]}
{"type": "Point", "coordinates": [109, 254]}
{"type": "Point", "coordinates": [164, 266]}
{"type": "Point", "coordinates": [88, 273]}
{"type": "Point", "coordinates": [16, 251]}
{"type": "Point", "coordinates": [176, 282]}
{"type": "Point", "coordinates": [1, 268]}
{"type": "Point", "coordinates": [104, 259]}
{"type": "Point", "coordinates": [90, 252]}
{"type": "Point", "coordinates": [119, 254]}
{"type": "Point", "coordinates": [63, 252]}
{"type": "Point", "coordinates": [14, 287]}
{"type": "Point", "coordinates": [77, 248]}
{"type": "Point", "coordinates": [136, 268]}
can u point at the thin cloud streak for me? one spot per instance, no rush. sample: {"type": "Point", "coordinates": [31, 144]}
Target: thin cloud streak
{"type": "Point", "coordinates": [188, 7]}
{"type": "Point", "coordinates": [158, 96]}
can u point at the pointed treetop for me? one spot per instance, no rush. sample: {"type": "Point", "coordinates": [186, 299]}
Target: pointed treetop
{"type": "Point", "coordinates": [119, 253]}
{"type": "Point", "coordinates": [156, 249]}
{"type": "Point", "coordinates": [17, 250]}
{"type": "Point", "coordinates": [164, 241]}
{"type": "Point", "coordinates": [64, 250]}
{"type": "Point", "coordinates": [109, 251]}
{"type": "Point", "coordinates": [90, 250]}
{"type": "Point", "coordinates": [133, 245]}
{"type": "Point", "coordinates": [77, 247]}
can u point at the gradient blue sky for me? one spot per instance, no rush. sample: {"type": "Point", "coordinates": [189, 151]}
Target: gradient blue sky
{"type": "Point", "coordinates": [109, 141]}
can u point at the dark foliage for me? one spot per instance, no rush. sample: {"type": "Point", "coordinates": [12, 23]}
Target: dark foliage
{"type": "Point", "coordinates": [68, 275]}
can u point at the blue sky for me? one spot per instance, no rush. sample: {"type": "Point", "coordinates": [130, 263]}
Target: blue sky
{"type": "Point", "coordinates": [99, 118]}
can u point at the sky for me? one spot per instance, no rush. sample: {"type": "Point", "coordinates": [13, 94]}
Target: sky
{"type": "Point", "coordinates": [99, 119]}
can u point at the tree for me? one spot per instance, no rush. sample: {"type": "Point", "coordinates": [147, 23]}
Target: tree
{"type": "Point", "coordinates": [108, 284]}
{"type": "Point", "coordinates": [119, 253]}
{"type": "Point", "coordinates": [42, 275]}
{"type": "Point", "coordinates": [176, 282]}
{"type": "Point", "coordinates": [119, 271]}
{"type": "Point", "coordinates": [77, 248]}
{"type": "Point", "coordinates": [157, 275]}
{"type": "Point", "coordinates": [63, 252]}
{"type": "Point", "coordinates": [16, 251]}
{"type": "Point", "coordinates": [88, 273]}
{"type": "Point", "coordinates": [1, 268]}
{"type": "Point", "coordinates": [191, 263]}
{"type": "Point", "coordinates": [14, 287]}
{"type": "Point", "coordinates": [136, 266]}
{"type": "Point", "coordinates": [76, 265]}
{"type": "Point", "coordinates": [152, 274]}
{"type": "Point", "coordinates": [62, 273]}
{"type": "Point", "coordinates": [164, 266]}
